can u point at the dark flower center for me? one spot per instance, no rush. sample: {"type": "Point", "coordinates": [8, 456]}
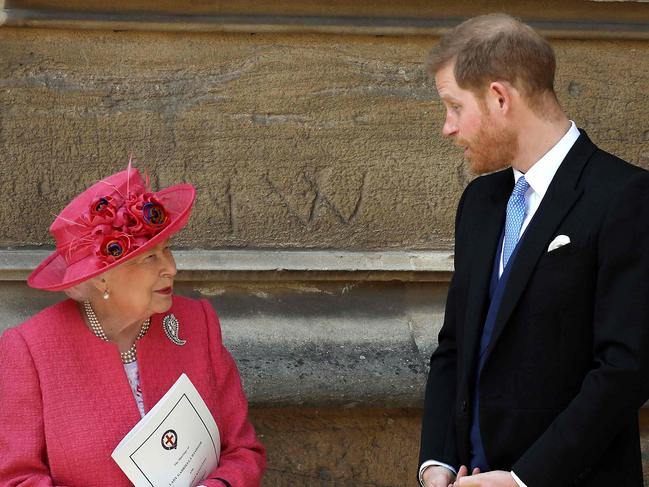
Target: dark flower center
{"type": "Point", "coordinates": [114, 248]}
{"type": "Point", "coordinates": [154, 214]}
{"type": "Point", "coordinates": [101, 205]}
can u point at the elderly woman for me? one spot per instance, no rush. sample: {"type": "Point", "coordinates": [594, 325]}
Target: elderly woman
{"type": "Point", "coordinates": [77, 377]}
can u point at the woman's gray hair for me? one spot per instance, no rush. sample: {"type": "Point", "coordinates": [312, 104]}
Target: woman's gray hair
{"type": "Point", "coordinates": [82, 291]}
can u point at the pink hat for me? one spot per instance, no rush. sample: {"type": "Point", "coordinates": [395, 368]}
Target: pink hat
{"type": "Point", "coordinates": [111, 222]}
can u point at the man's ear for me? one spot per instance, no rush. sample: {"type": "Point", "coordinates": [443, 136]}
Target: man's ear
{"type": "Point", "coordinates": [501, 95]}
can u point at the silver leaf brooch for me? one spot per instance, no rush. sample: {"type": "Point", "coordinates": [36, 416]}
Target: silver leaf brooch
{"type": "Point", "coordinates": [171, 328]}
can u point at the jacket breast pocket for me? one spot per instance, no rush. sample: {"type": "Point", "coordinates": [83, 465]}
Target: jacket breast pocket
{"type": "Point", "coordinates": [570, 255]}
{"type": "Point", "coordinates": [568, 248]}
{"type": "Point", "coordinates": [567, 271]}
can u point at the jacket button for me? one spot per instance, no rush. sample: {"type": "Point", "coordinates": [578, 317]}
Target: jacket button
{"type": "Point", "coordinates": [463, 406]}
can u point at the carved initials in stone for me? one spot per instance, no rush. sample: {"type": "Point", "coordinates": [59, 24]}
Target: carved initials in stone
{"type": "Point", "coordinates": [311, 193]}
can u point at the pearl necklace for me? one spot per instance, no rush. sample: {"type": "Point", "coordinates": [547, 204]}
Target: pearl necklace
{"type": "Point", "coordinates": [130, 355]}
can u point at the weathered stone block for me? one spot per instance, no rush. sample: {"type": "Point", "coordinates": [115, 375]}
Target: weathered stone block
{"type": "Point", "coordinates": [292, 141]}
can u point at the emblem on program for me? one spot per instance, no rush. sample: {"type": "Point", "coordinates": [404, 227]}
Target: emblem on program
{"type": "Point", "coordinates": [169, 440]}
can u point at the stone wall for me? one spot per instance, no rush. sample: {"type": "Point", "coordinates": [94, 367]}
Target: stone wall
{"type": "Point", "coordinates": [292, 141]}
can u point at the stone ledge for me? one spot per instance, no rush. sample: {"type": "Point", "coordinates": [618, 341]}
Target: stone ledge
{"type": "Point", "coordinates": [307, 328]}
{"type": "Point", "coordinates": [320, 344]}
{"type": "Point", "coordinates": [299, 265]}
{"type": "Point", "coordinates": [582, 28]}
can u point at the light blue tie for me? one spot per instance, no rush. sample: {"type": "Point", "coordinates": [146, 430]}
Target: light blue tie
{"type": "Point", "coordinates": [516, 210]}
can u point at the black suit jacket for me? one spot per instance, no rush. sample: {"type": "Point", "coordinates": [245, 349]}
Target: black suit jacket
{"type": "Point", "coordinates": [567, 367]}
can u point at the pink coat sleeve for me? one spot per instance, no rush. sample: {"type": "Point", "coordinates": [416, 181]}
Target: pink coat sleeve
{"type": "Point", "coordinates": [243, 457]}
{"type": "Point", "coordinates": [22, 442]}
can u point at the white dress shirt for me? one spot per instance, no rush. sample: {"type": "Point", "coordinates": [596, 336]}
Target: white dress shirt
{"type": "Point", "coordinates": [539, 177]}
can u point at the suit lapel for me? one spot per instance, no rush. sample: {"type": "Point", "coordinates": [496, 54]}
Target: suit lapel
{"type": "Point", "coordinates": [561, 196]}
{"type": "Point", "coordinates": [488, 227]}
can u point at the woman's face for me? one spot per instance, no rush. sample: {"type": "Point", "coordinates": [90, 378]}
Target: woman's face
{"type": "Point", "coordinates": [140, 287]}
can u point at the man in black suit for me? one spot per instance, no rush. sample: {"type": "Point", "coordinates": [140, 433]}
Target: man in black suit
{"type": "Point", "coordinates": [542, 361]}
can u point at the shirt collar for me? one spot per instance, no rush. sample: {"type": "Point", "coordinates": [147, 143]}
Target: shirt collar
{"type": "Point", "coordinates": [541, 173]}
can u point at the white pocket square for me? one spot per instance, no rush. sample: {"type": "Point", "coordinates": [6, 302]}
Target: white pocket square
{"type": "Point", "coordinates": [559, 241]}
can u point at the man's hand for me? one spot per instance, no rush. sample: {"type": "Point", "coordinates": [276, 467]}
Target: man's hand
{"type": "Point", "coordinates": [437, 476]}
{"type": "Point", "coordinates": [496, 478]}
{"type": "Point", "coordinates": [463, 472]}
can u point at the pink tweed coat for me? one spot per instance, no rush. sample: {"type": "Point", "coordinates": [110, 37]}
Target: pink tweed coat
{"type": "Point", "coordinates": [65, 401]}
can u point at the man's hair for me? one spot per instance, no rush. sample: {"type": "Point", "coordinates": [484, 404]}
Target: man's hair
{"type": "Point", "coordinates": [497, 47]}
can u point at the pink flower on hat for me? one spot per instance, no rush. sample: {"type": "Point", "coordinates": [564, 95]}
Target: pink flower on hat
{"type": "Point", "coordinates": [117, 227]}
{"type": "Point", "coordinates": [113, 246]}
{"type": "Point", "coordinates": [101, 211]}
{"type": "Point", "coordinates": [149, 214]}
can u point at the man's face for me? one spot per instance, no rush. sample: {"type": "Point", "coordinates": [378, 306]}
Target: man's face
{"type": "Point", "coordinates": [488, 143]}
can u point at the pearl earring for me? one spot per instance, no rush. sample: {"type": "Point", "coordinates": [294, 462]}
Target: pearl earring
{"type": "Point", "coordinates": [106, 294]}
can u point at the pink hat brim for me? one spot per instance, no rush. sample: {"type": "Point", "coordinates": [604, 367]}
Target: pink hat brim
{"type": "Point", "coordinates": [54, 274]}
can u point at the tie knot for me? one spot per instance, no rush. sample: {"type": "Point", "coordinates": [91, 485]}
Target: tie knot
{"type": "Point", "coordinates": [520, 187]}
